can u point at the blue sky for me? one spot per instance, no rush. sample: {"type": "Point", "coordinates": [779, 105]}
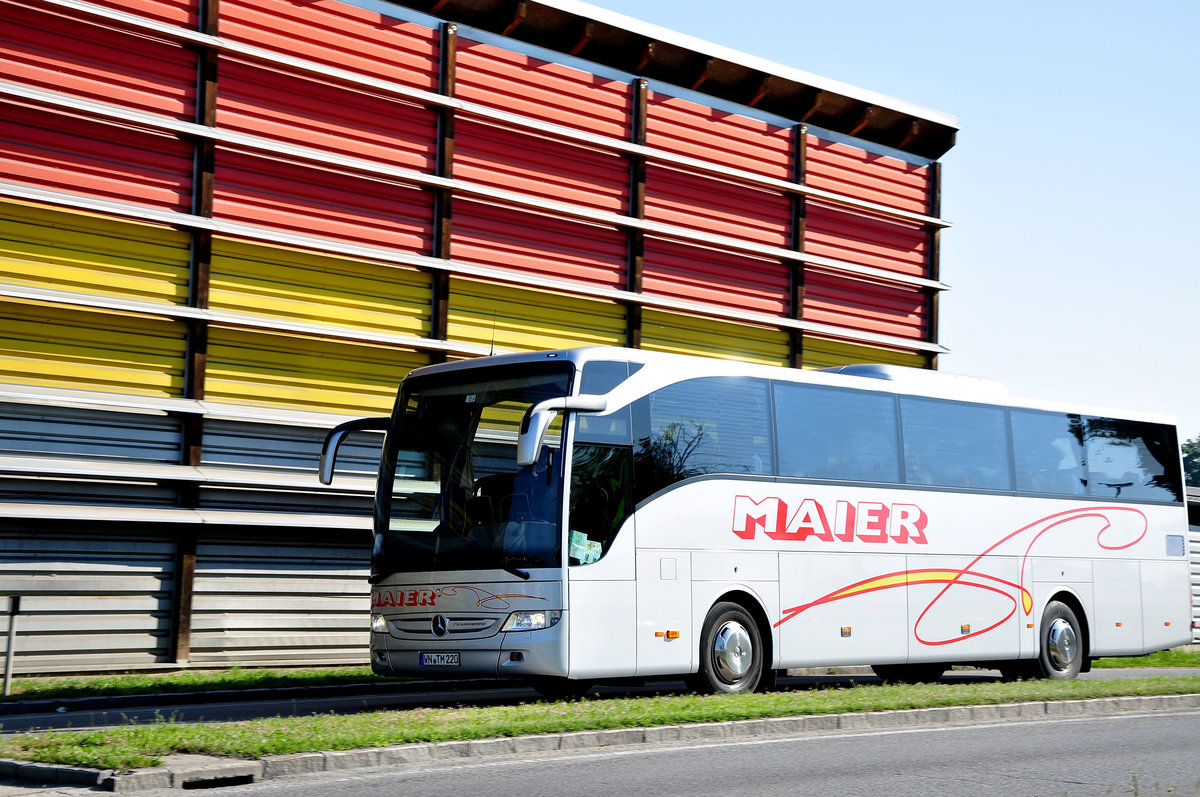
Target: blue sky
{"type": "Point", "coordinates": [1074, 186]}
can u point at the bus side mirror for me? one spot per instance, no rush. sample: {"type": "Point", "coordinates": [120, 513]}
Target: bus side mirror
{"type": "Point", "coordinates": [334, 439]}
{"type": "Point", "coordinates": [537, 420]}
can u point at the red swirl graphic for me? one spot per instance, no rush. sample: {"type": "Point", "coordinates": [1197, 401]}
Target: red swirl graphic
{"type": "Point", "coordinates": [1123, 527]}
{"type": "Point", "coordinates": [483, 598]}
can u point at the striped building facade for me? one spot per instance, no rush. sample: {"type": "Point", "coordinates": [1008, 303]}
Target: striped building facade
{"type": "Point", "coordinates": [227, 225]}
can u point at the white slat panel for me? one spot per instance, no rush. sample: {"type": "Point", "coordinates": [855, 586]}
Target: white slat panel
{"type": "Point", "coordinates": [1194, 550]}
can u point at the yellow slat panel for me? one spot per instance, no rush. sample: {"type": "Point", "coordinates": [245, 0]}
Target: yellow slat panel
{"type": "Point", "coordinates": [45, 345]}
{"type": "Point", "coordinates": [529, 320]}
{"type": "Point", "coordinates": [822, 353]}
{"type": "Point", "coordinates": [304, 286]}
{"type": "Point", "coordinates": [46, 248]}
{"type": "Point", "coordinates": [710, 337]}
{"type": "Point", "coordinates": [305, 373]}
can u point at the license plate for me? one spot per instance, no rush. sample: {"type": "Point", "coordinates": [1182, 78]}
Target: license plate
{"type": "Point", "coordinates": [439, 660]}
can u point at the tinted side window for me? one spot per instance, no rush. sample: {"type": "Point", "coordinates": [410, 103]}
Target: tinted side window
{"type": "Point", "coordinates": [1048, 452]}
{"type": "Point", "coordinates": [955, 445]}
{"type": "Point", "coordinates": [1131, 459]}
{"type": "Point", "coordinates": [702, 426]}
{"type": "Point", "coordinates": [601, 376]}
{"type": "Point", "coordinates": [833, 433]}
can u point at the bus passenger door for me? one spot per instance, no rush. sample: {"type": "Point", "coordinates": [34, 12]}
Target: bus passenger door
{"type": "Point", "coordinates": [664, 612]}
{"type": "Point", "coordinates": [602, 612]}
{"type": "Point", "coordinates": [602, 598]}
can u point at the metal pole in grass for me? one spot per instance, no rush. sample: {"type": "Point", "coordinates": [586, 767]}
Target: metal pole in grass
{"type": "Point", "coordinates": [14, 606]}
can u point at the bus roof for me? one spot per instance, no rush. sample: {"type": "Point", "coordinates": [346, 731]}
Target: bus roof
{"type": "Point", "coordinates": [670, 367]}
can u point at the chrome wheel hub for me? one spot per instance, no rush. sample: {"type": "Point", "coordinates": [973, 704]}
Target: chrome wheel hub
{"type": "Point", "coordinates": [1061, 644]}
{"type": "Point", "coordinates": [732, 651]}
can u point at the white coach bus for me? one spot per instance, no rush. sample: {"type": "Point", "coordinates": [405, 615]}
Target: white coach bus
{"type": "Point", "coordinates": [603, 513]}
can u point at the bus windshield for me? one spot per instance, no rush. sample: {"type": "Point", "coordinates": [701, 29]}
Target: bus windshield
{"type": "Point", "coordinates": [451, 494]}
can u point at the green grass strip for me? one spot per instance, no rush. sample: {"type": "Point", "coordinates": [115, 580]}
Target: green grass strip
{"type": "Point", "coordinates": [139, 745]}
{"type": "Point", "coordinates": [1176, 657]}
{"type": "Point", "coordinates": [53, 687]}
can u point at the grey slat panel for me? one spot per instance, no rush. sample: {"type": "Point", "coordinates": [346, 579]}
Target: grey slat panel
{"type": "Point", "coordinates": [89, 433]}
{"type": "Point", "coordinates": [279, 600]}
{"type": "Point", "coordinates": [265, 500]}
{"type": "Point", "coordinates": [277, 446]}
{"type": "Point", "coordinates": [94, 601]}
{"type": "Point", "coordinates": [50, 490]}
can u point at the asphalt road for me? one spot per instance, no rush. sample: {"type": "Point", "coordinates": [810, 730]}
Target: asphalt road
{"type": "Point", "coordinates": [217, 708]}
{"type": "Point", "coordinates": [1123, 754]}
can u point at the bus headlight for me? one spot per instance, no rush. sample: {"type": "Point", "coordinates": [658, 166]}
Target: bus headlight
{"type": "Point", "coordinates": [530, 621]}
{"type": "Point", "coordinates": [378, 624]}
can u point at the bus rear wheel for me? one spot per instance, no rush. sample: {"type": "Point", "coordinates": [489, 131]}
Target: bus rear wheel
{"type": "Point", "coordinates": [731, 652]}
{"type": "Point", "coordinates": [909, 673]}
{"type": "Point", "coordinates": [1061, 651]}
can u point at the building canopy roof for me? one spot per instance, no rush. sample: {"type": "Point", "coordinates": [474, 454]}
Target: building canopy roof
{"type": "Point", "coordinates": [627, 44]}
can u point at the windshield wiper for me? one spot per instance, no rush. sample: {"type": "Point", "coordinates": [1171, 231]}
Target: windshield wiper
{"type": "Point", "coordinates": [381, 575]}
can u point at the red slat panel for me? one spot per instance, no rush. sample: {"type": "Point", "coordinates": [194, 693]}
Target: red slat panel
{"type": "Point", "coordinates": [184, 13]}
{"type": "Point", "coordinates": [711, 204]}
{"type": "Point", "coordinates": [715, 276]}
{"type": "Point", "coordinates": [875, 178]}
{"type": "Point", "coordinates": [868, 306]}
{"type": "Point", "coordinates": [866, 239]}
{"type": "Point", "coordinates": [551, 92]}
{"type": "Point", "coordinates": [698, 131]}
{"type": "Point", "coordinates": [337, 34]}
{"type": "Point", "coordinates": [48, 50]}
{"type": "Point", "coordinates": [538, 243]}
{"type": "Point", "coordinates": [67, 153]}
{"type": "Point", "coordinates": [540, 166]}
{"type": "Point", "coordinates": [315, 113]}
{"type": "Point", "coordinates": [305, 198]}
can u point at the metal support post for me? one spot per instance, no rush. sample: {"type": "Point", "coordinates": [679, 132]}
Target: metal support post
{"type": "Point", "coordinates": [14, 607]}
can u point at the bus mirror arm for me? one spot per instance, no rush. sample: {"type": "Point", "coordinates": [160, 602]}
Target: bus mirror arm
{"type": "Point", "coordinates": [339, 433]}
{"type": "Point", "coordinates": [537, 420]}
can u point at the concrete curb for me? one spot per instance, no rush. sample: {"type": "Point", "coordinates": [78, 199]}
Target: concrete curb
{"type": "Point", "coordinates": [193, 771]}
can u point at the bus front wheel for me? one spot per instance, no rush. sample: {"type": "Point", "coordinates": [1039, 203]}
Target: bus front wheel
{"type": "Point", "coordinates": [731, 652]}
{"type": "Point", "coordinates": [1061, 653]}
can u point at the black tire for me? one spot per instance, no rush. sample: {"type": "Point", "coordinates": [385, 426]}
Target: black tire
{"type": "Point", "coordinates": [561, 688]}
{"type": "Point", "coordinates": [731, 652]}
{"type": "Point", "coordinates": [1060, 649]}
{"type": "Point", "coordinates": [909, 673]}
